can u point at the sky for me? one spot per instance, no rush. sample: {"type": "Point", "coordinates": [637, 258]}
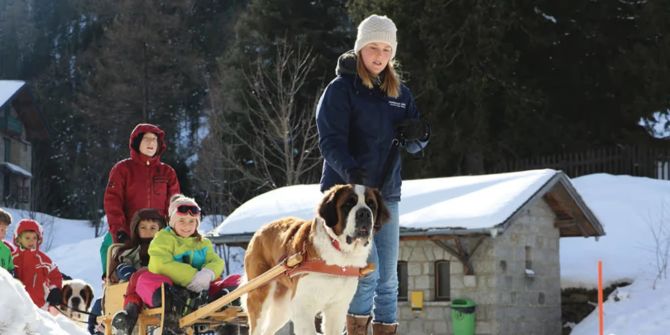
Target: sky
{"type": "Point", "coordinates": [630, 209]}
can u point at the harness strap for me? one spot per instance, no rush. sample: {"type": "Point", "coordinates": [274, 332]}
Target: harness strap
{"type": "Point", "coordinates": [320, 266]}
{"type": "Point", "coordinates": [71, 319]}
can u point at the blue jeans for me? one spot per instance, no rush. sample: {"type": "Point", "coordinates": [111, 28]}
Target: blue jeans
{"type": "Point", "coordinates": [381, 286]}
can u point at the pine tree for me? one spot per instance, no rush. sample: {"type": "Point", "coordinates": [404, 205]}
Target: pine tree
{"type": "Point", "coordinates": [519, 79]}
{"type": "Point", "coordinates": [142, 69]}
{"type": "Point", "coordinates": [461, 59]}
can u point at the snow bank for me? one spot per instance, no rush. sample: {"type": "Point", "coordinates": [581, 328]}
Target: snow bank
{"type": "Point", "coordinates": [20, 316]}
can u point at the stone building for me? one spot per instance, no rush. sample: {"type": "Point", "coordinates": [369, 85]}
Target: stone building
{"type": "Point", "coordinates": [493, 239]}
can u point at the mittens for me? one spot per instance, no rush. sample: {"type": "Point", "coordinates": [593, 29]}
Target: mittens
{"type": "Point", "coordinates": [124, 271]}
{"type": "Point", "coordinates": [413, 129]}
{"type": "Point", "coordinates": [201, 280]}
{"type": "Point", "coordinates": [55, 298]}
{"type": "Point", "coordinates": [121, 236]}
{"type": "Point", "coordinates": [355, 176]}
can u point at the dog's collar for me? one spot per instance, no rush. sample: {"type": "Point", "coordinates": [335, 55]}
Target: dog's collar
{"type": "Point", "coordinates": [333, 239]}
{"type": "Point", "coordinates": [336, 244]}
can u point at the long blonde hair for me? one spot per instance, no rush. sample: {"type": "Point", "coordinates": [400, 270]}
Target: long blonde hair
{"type": "Point", "coordinates": [391, 83]}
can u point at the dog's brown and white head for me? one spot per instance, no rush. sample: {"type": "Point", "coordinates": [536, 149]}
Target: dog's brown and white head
{"type": "Point", "coordinates": [77, 296]}
{"type": "Point", "coordinates": [352, 213]}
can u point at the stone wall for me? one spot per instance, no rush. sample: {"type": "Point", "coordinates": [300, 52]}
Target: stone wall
{"type": "Point", "coordinates": [529, 303]}
{"type": "Point", "coordinates": [509, 301]}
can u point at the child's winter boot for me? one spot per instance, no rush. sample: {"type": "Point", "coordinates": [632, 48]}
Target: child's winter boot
{"type": "Point", "coordinates": [175, 307]}
{"type": "Point", "coordinates": [196, 300]}
{"type": "Point", "coordinates": [124, 321]}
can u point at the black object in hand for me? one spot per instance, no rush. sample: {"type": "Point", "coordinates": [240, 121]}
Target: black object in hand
{"type": "Point", "coordinates": [121, 236]}
{"type": "Point", "coordinates": [355, 176]}
{"type": "Point", "coordinates": [412, 130]}
{"type": "Point", "coordinates": [55, 298]}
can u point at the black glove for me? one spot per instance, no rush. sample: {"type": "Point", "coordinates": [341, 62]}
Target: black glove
{"type": "Point", "coordinates": [412, 130]}
{"type": "Point", "coordinates": [121, 236]}
{"type": "Point", "coordinates": [54, 298]}
{"type": "Point", "coordinates": [355, 176]}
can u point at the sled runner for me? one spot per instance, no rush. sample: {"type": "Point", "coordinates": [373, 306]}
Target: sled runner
{"type": "Point", "coordinates": [202, 319]}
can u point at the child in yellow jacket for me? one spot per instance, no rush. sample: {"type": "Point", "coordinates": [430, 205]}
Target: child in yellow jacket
{"type": "Point", "coordinates": [180, 257]}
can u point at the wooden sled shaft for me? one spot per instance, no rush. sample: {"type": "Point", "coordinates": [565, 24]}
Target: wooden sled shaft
{"type": "Point", "coordinates": [252, 284]}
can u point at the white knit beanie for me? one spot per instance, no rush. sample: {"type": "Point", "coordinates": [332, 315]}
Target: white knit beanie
{"type": "Point", "coordinates": [179, 200]}
{"type": "Point", "coordinates": [376, 28]}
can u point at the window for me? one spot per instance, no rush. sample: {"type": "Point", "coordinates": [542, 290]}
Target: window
{"type": "Point", "coordinates": [23, 190]}
{"type": "Point", "coordinates": [529, 262]}
{"type": "Point", "coordinates": [6, 192]}
{"type": "Point", "coordinates": [442, 280]}
{"type": "Point", "coordinates": [402, 281]}
{"type": "Point", "coordinates": [8, 150]}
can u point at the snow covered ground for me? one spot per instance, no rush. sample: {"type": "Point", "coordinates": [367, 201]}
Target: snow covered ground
{"type": "Point", "coordinates": [18, 314]}
{"type": "Point", "coordinates": [631, 209]}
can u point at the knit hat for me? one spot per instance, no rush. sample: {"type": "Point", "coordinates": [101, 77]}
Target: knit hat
{"type": "Point", "coordinates": [181, 200]}
{"type": "Point", "coordinates": [376, 28]}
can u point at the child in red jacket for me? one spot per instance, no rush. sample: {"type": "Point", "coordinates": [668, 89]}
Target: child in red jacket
{"type": "Point", "coordinates": [34, 268]}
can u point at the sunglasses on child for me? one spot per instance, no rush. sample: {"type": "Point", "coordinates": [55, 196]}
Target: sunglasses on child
{"type": "Point", "coordinates": [193, 210]}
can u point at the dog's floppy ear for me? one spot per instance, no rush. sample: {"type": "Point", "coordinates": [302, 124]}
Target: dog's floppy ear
{"type": "Point", "coordinates": [328, 207]}
{"type": "Point", "coordinates": [67, 293]}
{"type": "Point", "coordinates": [382, 215]}
{"type": "Point", "coordinates": [87, 295]}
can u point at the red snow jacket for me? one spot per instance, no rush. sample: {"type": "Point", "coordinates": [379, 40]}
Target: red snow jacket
{"type": "Point", "coordinates": [139, 182]}
{"type": "Point", "coordinates": [33, 267]}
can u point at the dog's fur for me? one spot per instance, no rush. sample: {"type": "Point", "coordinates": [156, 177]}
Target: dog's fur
{"type": "Point", "coordinates": [348, 214]}
{"type": "Point", "coordinates": [77, 296]}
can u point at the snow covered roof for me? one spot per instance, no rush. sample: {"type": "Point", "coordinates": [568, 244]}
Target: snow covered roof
{"type": "Point", "coordinates": [16, 169]}
{"type": "Point", "coordinates": [436, 206]}
{"type": "Point", "coordinates": [8, 88]}
{"type": "Point", "coordinates": [18, 93]}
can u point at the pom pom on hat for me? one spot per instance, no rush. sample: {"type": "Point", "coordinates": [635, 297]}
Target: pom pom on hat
{"type": "Point", "coordinates": [376, 28]}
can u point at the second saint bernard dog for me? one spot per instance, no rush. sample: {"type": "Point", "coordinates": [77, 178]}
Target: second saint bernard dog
{"type": "Point", "coordinates": [77, 297]}
{"type": "Point", "coordinates": [339, 237]}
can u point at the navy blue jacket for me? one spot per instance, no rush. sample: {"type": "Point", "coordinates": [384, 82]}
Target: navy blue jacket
{"type": "Point", "coordinates": [356, 128]}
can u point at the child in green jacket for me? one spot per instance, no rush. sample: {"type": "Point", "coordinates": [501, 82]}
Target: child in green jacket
{"type": "Point", "coordinates": [6, 261]}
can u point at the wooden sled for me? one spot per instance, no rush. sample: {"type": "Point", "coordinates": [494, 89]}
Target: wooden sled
{"type": "Point", "coordinates": [206, 318]}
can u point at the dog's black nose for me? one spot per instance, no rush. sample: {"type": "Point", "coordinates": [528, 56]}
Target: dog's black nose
{"type": "Point", "coordinates": [363, 222]}
{"type": "Point", "coordinates": [363, 214]}
{"type": "Point", "coordinates": [75, 302]}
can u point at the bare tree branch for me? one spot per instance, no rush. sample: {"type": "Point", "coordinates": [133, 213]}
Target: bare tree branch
{"type": "Point", "coordinates": [276, 142]}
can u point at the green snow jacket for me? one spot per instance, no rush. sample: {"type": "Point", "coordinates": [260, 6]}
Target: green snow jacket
{"type": "Point", "coordinates": [6, 261]}
{"type": "Point", "coordinates": [180, 258]}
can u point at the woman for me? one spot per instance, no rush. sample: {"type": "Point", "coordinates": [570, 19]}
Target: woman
{"type": "Point", "coordinates": [363, 116]}
{"type": "Point", "coordinates": [141, 181]}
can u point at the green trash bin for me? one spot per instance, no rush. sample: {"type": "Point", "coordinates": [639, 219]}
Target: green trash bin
{"type": "Point", "coordinates": [463, 316]}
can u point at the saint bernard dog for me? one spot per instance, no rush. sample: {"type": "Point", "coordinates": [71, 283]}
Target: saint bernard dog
{"type": "Point", "coordinates": [77, 296]}
{"type": "Point", "coordinates": [340, 237]}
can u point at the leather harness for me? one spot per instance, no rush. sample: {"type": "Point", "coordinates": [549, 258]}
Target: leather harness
{"type": "Point", "coordinates": [318, 265]}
